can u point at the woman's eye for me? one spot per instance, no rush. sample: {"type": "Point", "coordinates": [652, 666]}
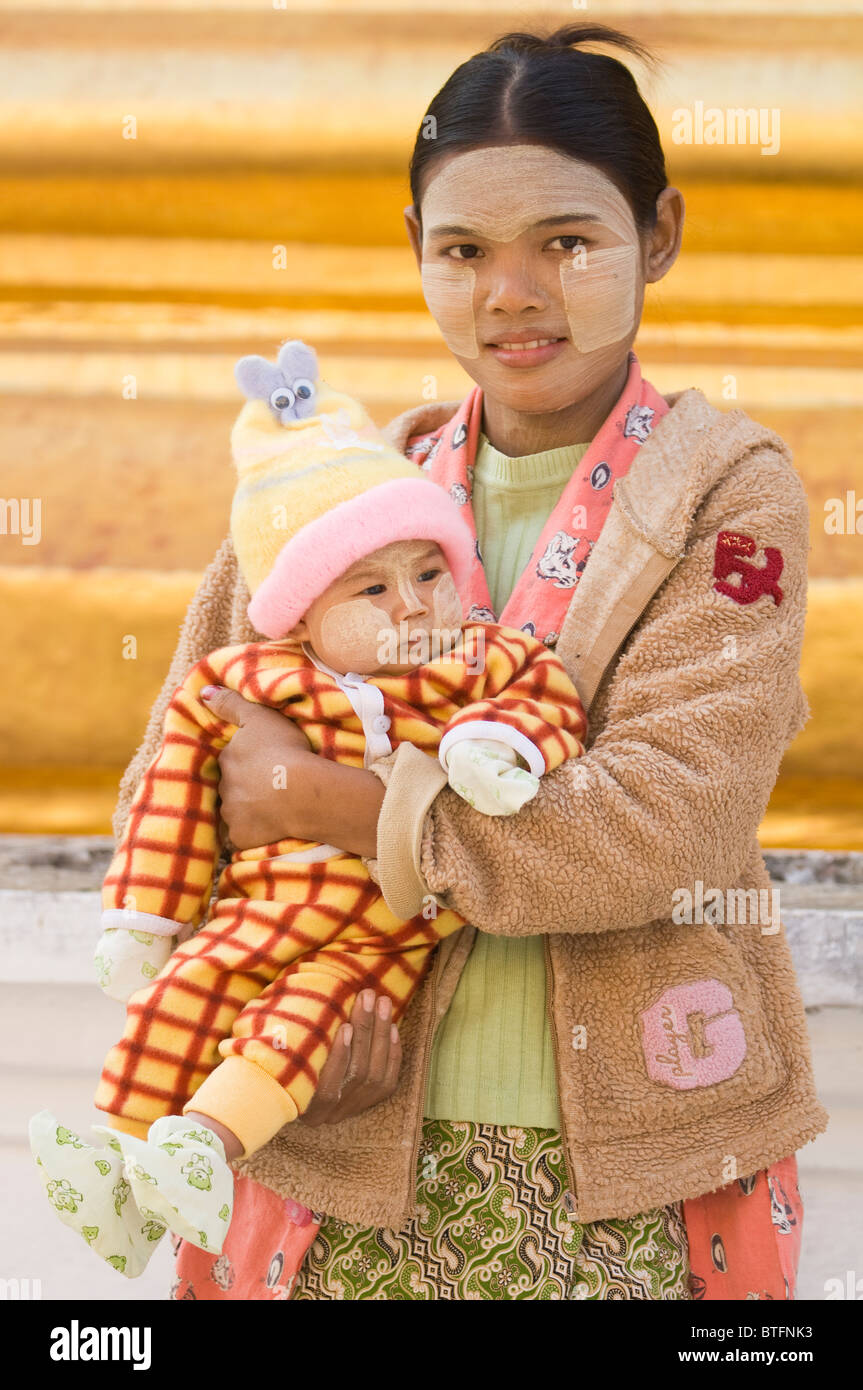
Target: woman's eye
{"type": "Point", "coordinates": [428, 575]}
{"type": "Point", "coordinates": [466, 246]}
{"type": "Point", "coordinates": [574, 239]}
{"type": "Point", "coordinates": [374, 589]}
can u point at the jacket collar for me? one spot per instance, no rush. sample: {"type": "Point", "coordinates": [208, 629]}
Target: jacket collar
{"type": "Point", "coordinates": [645, 532]}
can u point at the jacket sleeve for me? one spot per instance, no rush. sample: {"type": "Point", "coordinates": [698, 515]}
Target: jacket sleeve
{"type": "Point", "coordinates": [694, 718]}
{"type": "Point", "coordinates": [528, 703]}
{"type": "Point", "coordinates": [162, 872]}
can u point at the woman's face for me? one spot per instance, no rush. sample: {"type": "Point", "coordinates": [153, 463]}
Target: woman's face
{"type": "Point", "coordinates": [521, 243]}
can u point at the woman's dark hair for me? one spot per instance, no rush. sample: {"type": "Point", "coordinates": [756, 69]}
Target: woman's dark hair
{"type": "Point", "coordinates": [538, 89]}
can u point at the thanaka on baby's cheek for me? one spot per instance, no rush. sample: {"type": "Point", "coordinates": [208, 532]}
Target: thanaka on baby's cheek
{"type": "Point", "coordinates": [357, 631]}
{"type": "Point", "coordinates": [352, 633]}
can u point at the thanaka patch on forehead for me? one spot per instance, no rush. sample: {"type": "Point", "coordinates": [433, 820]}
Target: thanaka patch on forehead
{"type": "Point", "coordinates": [499, 189]}
{"type": "Point", "coordinates": [559, 220]}
{"type": "Point", "coordinates": [392, 555]}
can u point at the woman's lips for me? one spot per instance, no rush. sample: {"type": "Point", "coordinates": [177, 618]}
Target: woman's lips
{"type": "Point", "coordinates": [520, 355]}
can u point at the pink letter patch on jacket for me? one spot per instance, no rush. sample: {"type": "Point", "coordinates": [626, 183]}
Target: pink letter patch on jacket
{"type": "Point", "coordinates": [696, 1016]}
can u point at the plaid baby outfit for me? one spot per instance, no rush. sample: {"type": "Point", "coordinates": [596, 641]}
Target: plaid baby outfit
{"type": "Point", "coordinates": [244, 1014]}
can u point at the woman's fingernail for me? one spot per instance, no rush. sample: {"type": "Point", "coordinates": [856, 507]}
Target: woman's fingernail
{"type": "Point", "coordinates": [347, 1034]}
{"type": "Point", "coordinates": [209, 690]}
{"type": "Point", "coordinates": [384, 1007]}
{"type": "Point", "coordinates": [368, 1001]}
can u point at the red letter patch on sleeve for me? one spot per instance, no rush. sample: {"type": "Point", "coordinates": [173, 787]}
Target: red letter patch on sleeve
{"type": "Point", "coordinates": [754, 580]}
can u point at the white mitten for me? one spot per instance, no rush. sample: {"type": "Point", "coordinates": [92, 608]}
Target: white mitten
{"type": "Point", "coordinates": [128, 960]}
{"type": "Point", "coordinates": [486, 773]}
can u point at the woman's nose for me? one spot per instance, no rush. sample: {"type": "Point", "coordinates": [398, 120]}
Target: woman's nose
{"type": "Point", "coordinates": [512, 286]}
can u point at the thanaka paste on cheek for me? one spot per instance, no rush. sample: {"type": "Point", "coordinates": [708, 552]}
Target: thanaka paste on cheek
{"type": "Point", "coordinates": [448, 289]}
{"type": "Point", "coordinates": [354, 633]}
{"type": "Point", "coordinates": [599, 297]}
{"type": "Point", "coordinates": [446, 604]}
{"type": "Point", "coordinates": [496, 192]}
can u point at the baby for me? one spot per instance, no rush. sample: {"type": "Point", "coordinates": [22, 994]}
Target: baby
{"type": "Point", "coordinates": [354, 562]}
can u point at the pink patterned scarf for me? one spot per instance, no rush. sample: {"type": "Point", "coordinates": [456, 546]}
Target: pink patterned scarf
{"type": "Point", "coordinates": [539, 601]}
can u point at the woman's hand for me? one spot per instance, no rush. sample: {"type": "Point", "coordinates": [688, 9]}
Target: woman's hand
{"type": "Point", "coordinates": [311, 798]}
{"type": "Point", "coordinates": [253, 801]}
{"type": "Point", "coordinates": [363, 1066]}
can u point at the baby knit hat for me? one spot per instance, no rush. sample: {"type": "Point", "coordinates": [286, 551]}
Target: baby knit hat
{"type": "Point", "coordinates": [320, 488]}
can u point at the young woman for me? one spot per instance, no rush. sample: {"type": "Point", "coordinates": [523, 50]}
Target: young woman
{"type": "Point", "coordinates": [596, 1094]}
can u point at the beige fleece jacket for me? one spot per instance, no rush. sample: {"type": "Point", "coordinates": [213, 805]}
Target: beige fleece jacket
{"type": "Point", "coordinates": [682, 1050]}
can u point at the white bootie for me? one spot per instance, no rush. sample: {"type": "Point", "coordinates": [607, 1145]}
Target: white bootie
{"type": "Point", "coordinates": [89, 1191]}
{"type": "Point", "coordinates": [179, 1176]}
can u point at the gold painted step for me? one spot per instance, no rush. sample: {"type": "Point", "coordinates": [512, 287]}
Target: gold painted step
{"type": "Point", "coordinates": [95, 325]}
{"type": "Point", "coordinates": [202, 380]}
{"type": "Point", "coordinates": [308, 208]}
{"type": "Point", "coordinates": [734, 286]}
{"type": "Point", "coordinates": [347, 84]}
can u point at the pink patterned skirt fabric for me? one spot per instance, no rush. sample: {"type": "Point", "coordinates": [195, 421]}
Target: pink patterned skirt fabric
{"type": "Point", "coordinates": [744, 1243]}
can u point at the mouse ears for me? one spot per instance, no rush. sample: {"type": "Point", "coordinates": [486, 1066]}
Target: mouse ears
{"type": "Point", "coordinates": [258, 378]}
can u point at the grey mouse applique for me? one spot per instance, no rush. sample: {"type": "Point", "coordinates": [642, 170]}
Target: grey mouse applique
{"type": "Point", "coordinates": [288, 387]}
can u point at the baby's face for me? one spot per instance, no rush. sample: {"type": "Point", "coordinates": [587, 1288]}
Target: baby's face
{"type": "Point", "coordinates": [385, 614]}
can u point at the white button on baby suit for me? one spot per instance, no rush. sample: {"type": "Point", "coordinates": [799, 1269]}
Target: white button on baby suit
{"type": "Point", "coordinates": [380, 723]}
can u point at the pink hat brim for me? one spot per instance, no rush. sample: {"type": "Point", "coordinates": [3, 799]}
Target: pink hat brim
{"type": "Point", "coordinates": [402, 510]}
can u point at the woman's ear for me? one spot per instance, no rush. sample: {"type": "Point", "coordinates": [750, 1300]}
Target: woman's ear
{"type": "Point", "coordinates": [664, 241]}
{"type": "Point", "coordinates": [415, 236]}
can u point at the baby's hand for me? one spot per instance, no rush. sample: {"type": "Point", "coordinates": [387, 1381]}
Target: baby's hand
{"type": "Point", "coordinates": [127, 960]}
{"type": "Point", "coordinates": [486, 773]}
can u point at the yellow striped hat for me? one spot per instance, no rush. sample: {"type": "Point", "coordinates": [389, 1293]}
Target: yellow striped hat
{"type": "Point", "coordinates": [317, 493]}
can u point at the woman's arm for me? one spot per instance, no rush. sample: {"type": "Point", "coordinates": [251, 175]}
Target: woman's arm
{"type": "Point", "coordinates": [697, 715]}
{"type": "Point", "coordinates": [318, 799]}
{"type": "Point", "coordinates": [272, 786]}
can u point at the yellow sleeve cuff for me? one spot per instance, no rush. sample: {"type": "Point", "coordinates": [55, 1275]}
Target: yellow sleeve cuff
{"type": "Point", "coordinates": [245, 1098]}
{"type": "Point", "coordinates": [414, 781]}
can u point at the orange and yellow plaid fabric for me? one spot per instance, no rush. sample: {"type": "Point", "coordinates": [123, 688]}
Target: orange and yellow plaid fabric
{"type": "Point", "coordinates": [288, 945]}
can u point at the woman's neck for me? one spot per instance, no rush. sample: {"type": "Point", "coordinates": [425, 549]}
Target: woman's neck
{"type": "Point", "coordinates": [518, 432]}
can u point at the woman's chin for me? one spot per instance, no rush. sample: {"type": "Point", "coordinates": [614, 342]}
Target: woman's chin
{"type": "Point", "coordinates": [557, 385]}
{"type": "Point", "coordinates": [538, 391]}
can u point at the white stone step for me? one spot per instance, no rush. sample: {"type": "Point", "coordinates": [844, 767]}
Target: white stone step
{"type": "Point", "coordinates": [51, 1027]}
{"type": "Point", "coordinates": [49, 914]}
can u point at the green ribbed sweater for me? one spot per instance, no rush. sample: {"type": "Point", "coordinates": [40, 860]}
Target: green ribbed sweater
{"type": "Point", "coordinates": [493, 1056]}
